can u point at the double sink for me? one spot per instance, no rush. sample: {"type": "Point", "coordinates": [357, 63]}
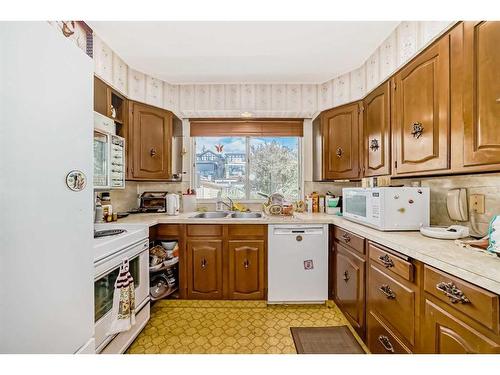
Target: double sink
{"type": "Point", "coordinates": [227, 215]}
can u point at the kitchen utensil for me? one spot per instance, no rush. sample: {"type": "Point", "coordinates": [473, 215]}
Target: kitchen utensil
{"type": "Point", "coordinates": [446, 233]}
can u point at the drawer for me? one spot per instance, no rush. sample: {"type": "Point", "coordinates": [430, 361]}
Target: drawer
{"type": "Point", "coordinates": [391, 261]}
{"type": "Point", "coordinates": [247, 230]}
{"type": "Point", "coordinates": [381, 340]}
{"type": "Point", "coordinates": [350, 239]}
{"type": "Point", "coordinates": [469, 299]}
{"type": "Point", "coordinates": [204, 230]}
{"type": "Point", "coordinates": [168, 230]}
{"type": "Point", "coordinates": [393, 301]}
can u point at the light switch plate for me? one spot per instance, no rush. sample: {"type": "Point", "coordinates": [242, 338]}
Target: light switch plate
{"type": "Point", "coordinates": [476, 203]}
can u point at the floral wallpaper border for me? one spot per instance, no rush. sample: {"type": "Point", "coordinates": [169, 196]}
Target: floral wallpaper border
{"type": "Point", "coordinates": [268, 100]}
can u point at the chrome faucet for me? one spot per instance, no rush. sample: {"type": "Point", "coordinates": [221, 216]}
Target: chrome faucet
{"type": "Point", "coordinates": [220, 202]}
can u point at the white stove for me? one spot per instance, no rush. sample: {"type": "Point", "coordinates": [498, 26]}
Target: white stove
{"type": "Point", "coordinates": [109, 245]}
{"type": "Point", "coordinates": [109, 252]}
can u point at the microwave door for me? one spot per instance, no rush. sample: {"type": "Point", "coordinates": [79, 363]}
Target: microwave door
{"type": "Point", "coordinates": [356, 205]}
{"type": "Point", "coordinates": [101, 160]}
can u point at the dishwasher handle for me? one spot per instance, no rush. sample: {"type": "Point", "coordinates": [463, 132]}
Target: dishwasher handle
{"type": "Point", "coordinates": [294, 231]}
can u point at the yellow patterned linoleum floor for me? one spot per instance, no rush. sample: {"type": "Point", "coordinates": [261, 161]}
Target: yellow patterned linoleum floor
{"type": "Point", "coordinates": [229, 327]}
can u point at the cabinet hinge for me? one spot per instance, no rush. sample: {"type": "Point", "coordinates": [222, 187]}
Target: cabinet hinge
{"type": "Point", "coordinates": [396, 164]}
{"type": "Point", "coordinates": [394, 85]}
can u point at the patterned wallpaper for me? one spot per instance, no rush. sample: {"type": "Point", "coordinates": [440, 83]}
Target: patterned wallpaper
{"type": "Point", "coordinates": [268, 100]}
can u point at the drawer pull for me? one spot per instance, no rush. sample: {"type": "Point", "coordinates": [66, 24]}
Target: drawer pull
{"type": "Point", "coordinates": [346, 276]}
{"type": "Point", "coordinates": [386, 343]}
{"type": "Point", "coordinates": [386, 261]}
{"type": "Point", "coordinates": [386, 289]}
{"type": "Point", "coordinates": [203, 263]}
{"type": "Point", "coordinates": [152, 152]}
{"type": "Point", "coordinates": [346, 237]}
{"type": "Point", "coordinates": [246, 264]}
{"type": "Point", "coordinates": [339, 152]}
{"type": "Point", "coordinates": [451, 291]}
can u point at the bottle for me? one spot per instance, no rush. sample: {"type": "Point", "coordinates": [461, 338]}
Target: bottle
{"type": "Point", "coordinates": [315, 201]}
{"type": "Point", "coordinates": [99, 213]}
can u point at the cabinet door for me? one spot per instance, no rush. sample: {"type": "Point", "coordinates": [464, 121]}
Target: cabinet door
{"type": "Point", "coordinates": [341, 142]}
{"type": "Point", "coordinates": [444, 333]}
{"type": "Point", "coordinates": [421, 111]}
{"type": "Point", "coordinates": [349, 290]}
{"type": "Point", "coordinates": [152, 138]}
{"type": "Point", "coordinates": [102, 97]}
{"type": "Point", "coordinates": [376, 132]}
{"type": "Point", "coordinates": [204, 259]}
{"type": "Point", "coordinates": [246, 269]}
{"type": "Point", "coordinates": [481, 103]}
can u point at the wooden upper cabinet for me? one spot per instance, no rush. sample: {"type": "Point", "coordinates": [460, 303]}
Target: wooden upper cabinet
{"type": "Point", "coordinates": [421, 110]}
{"type": "Point", "coordinates": [376, 132]}
{"type": "Point", "coordinates": [481, 99]}
{"type": "Point", "coordinates": [340, 129]}
{"type": "Point", "coordinates": [246, 269]}
{"type": "Point", "coordinates": [102, 97]}
{"type": "Point", "coordinates": [151, 134]}
{"type": "Point", "coordinates": [204, 263]}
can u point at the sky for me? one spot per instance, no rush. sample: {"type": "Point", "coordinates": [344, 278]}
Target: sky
{"type": "Point", "coordinates": [237, 144]}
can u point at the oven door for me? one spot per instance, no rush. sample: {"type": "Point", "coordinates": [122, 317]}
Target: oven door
{"type": "Point", "coordinates": [104, 285]}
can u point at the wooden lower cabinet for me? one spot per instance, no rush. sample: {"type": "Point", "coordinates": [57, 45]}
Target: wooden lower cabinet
{"type": "Point", "coordinates": [445, 333]}
{"type": "Point", "coordinates": [246, 269]}
{"type": "Point", "coordinates": [226, 261]}
{"type": "Point", "coordinates": [204, 263]}
{"type": "Point", "coordinates": [349, 286]}
{"type": "Point", "coordinates": [380, 339]}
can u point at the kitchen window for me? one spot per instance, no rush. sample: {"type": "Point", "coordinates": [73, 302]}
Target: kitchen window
{"type": "Point", "coordinates": [247, 167]}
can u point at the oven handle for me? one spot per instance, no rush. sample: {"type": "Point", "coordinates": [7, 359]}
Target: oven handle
{"type": "Point", "coordinates": [118, 257]}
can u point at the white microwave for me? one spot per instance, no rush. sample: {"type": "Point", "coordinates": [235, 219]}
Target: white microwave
{"type": "Point", "coordinates": [387, 208]}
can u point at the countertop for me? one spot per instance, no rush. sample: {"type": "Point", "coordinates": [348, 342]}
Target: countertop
{"type": "Point", "coordinates": [474, 266]}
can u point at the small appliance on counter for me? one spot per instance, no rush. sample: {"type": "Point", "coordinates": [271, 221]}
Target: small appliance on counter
{"type": "Point", "coordinates": [173, 204]}
{"type": "Point", "coordinates": [388, 208]}
{"type": "Point", "coordinates": [153, 201]}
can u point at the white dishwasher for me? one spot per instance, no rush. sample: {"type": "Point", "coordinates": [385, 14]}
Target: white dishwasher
{"type": "Point", "coordinates": [297, 263]}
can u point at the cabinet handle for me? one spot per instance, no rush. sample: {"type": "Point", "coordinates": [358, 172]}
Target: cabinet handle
{"type": "Point", "coordinates": [339, 152]}
{"type": "Point", "coordinates": [451, 291]}
{"type": "Point", "coordinates": [203, 263]}
{"type": "Point", "coordinates": [346, 276]}
{"type": "Point", "coordinates": [386, 261]}
{"type": "Point", "coordinates": [246, 264]}
{"type": "Point", "coordinates": [152, 152]}
{"type": "Point", "coordinates": [386, 343]}
{"type": "Point", "coordinates": [346, 237]}
{"type": "Point", "coordinates": [374, 146]}
{"type": "Point", "coordinates": [417, 129]}
{"type": "Point", "coordinates": [386, 289]}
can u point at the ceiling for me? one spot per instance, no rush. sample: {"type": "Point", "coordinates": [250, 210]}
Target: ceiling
{"type": "Point", "coordinates": [244, 52]}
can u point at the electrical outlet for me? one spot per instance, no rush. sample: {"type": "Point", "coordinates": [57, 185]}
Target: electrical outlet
{"type": "Point", "coordinates": [476, 203]}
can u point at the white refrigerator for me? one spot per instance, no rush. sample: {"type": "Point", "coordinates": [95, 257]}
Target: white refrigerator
{"type": "Point", "coordinates": [46, 229]}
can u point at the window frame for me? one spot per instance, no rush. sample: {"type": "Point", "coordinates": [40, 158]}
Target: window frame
{"type": "Point", "coordinates": [300, 149]}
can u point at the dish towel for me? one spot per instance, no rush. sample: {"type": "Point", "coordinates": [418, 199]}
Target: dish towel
{"type": "Point", "coordinates": [123, 311]}
{"type": "Point", "coordinates": [494, 235]}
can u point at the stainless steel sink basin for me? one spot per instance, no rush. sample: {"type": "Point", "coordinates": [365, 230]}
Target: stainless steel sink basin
{"type": "Point", "coordinates": [210, 215]}
{"type": "Point", "coordinates": [246, 215]}
{"type": "Point", "coordinates": [227, 215]}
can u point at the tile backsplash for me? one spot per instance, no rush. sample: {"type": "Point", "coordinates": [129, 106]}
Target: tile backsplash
{"type": "Point", "coordinates": [485, 184]}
